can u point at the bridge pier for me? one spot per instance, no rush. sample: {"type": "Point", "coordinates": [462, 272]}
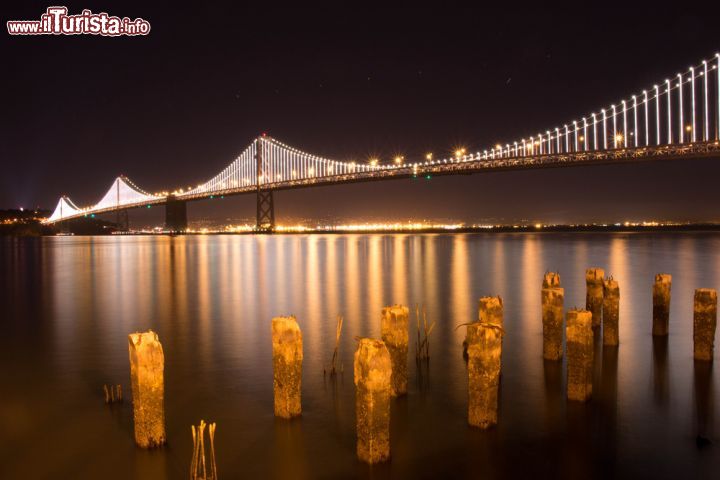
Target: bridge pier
{"type": "Point", "coordinates": [265, 211]}
{"type": "Point", "coordinates": [175, 215]}
{"type": "Point", "coordinates": [123, 221]}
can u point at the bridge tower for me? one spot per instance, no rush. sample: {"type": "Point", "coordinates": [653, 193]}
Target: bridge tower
{"type": "Point", "coordinates": [175, 215]}
{"type": "Point", "coordinates": [265, 220]}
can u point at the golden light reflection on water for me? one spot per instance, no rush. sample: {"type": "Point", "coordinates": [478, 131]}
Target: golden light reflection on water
{"type": "Point", "coordinates": [374, 285]}
{"type": "Point", "coordinates": [463, 304]}
{"type": "Point", "coordinates": [315, 298]}
{"type": "Point", "coordinates": [401, 278]}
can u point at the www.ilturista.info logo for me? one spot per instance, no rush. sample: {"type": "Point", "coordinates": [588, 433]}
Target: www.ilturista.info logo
{"type": "Point", "coordinates": [56, 21]}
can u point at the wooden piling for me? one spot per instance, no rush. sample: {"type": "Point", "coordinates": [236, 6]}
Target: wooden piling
{"type": "Point", "coordinates": [484, 362]}
{"type": "Point", "coordinates": [704, 323]}
{"type": "Point", "coordinates": [490, 310]}
{"type": "Point", "coordinates": [553, 297]}
{"type": "Point", "coordinates": [611, 312]}
{"type": "Point", "coordinates": [147, 363]}
{"type": "Point", "coordinates": [594, 295]}
{"type": "Point", "coordinates": [661, 304]}
{"type": "Point", "coordinates": [395, 335]}
{"type": "Point", "coordinates": [287, 366]}
{"type": "Point", "coordinates": [373, 390]}
{"type": "Point", "coordinates": [579, 338]}
{"type": "Point", "coordinates": [551, 279]}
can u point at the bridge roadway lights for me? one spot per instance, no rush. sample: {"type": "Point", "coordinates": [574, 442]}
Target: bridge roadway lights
{"type": "Point", "coordinates": [175, 215]}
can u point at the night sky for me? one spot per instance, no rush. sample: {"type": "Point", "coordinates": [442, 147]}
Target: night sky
{"type": "Point", "coordinates": [175, 107]}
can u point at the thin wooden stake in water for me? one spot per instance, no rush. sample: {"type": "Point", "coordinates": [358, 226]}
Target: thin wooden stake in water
{"type": "Point", "coordinates": [113, 394]}
{"type": "Point", "coordinates": [338, 333]}
{"type": "Point", "coordinates": [422, 347]}
{"type": "Point", "coordinates": [200, 468]}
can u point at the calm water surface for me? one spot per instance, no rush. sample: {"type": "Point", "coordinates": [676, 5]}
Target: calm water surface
{"type": "Point", "coordinates": [69, 303]}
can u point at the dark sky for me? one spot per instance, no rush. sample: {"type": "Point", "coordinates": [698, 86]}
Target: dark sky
{"type": "Point", "coordinates": [175, 107]}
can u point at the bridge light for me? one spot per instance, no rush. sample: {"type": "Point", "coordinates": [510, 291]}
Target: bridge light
{"type": "Point", "coordinates": [373, 161]}
{"type": "Point", "coordinates": [618, 139]}
{"type": "Point", "coordinates": [688, 128]}
{"type": "Point", "coordinates": [399, 158]}
{"type": "Point", "coordinates": [429, 155]}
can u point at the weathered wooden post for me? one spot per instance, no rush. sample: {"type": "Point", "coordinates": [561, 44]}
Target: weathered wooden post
{"type": "Point", "coordinates": [551, 279]}
{"type": "Point", "coordinates": [394, 330]}
{"type": "Point", "coordinates": [704, 323]}
{"type": "Point", "coordinates": [611, 312]}
{"type": "Point", "coordinates": [490, 310]}
{"type": "Point", "coordinates": [287, 366]}
{"type": "Point", "coordinates": [552, 296]}
{"type": "Point", "coordinates": [373, 390]}
{"type": "Point", "coordinates": [579, 355]}
{"type": "Point", "coordinates": [594, 295]}
{"type": "Point", "coordinates": [147, 364]}
{"type": "Point", "coordinates": [484, 361]}
{"type": "Point", "coordinates": [661, 304]}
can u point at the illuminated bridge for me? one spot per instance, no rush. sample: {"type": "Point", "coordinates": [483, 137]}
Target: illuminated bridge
{"type": "Point", "coordinates": [676, 119]}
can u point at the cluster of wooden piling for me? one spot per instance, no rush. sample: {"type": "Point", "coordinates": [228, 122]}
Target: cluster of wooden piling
{"type": "Point", "coordinates": [602, 310]}
{"type": "Point", "coordinates": [381, 365]}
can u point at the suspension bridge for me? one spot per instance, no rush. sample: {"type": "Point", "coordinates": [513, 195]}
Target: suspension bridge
{"type": "Point", "coordinates": [678, 118]}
